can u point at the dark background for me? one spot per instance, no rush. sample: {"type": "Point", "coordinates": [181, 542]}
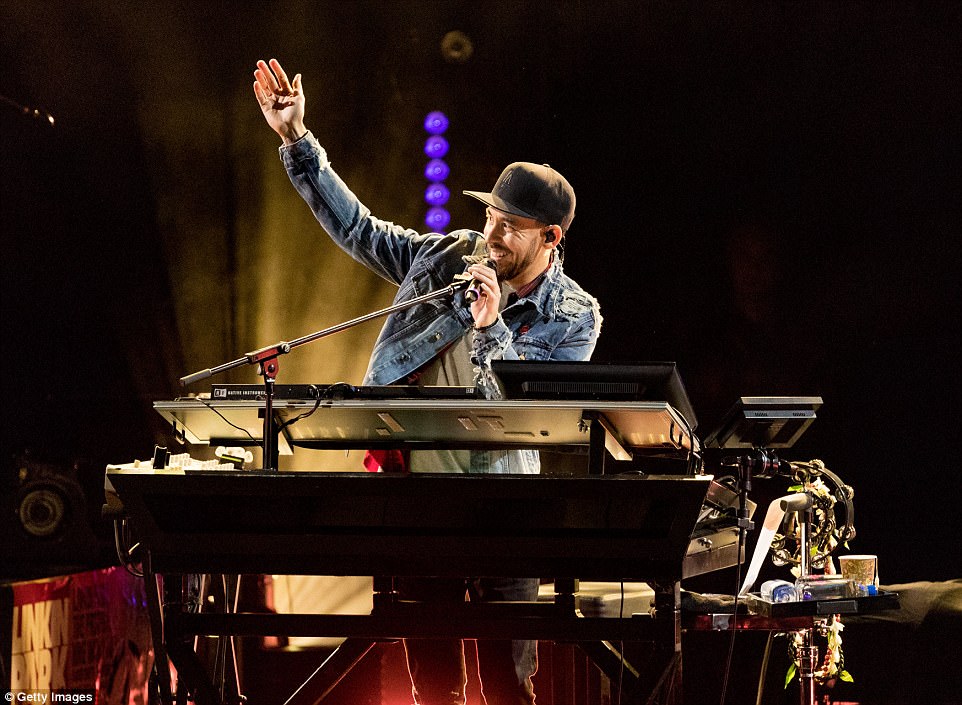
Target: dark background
{"type": "Point", "coordinates": [768, 195]}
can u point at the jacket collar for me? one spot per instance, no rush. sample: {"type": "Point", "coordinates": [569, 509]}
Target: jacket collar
{"type": "Point", "coordinates": [546, 291]}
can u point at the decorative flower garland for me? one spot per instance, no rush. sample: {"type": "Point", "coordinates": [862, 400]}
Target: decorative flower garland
{"type": "Point", "coordinates": [824, 537]}
{"type": "Point", "coordinates": [833, 663]}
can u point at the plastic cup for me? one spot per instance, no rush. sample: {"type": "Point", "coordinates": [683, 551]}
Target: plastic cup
{"type": "Point", "coordinates": [861, 570]}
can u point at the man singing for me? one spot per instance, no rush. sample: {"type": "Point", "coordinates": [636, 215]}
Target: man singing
{"type": "Point", "coordinates": [527, 309]}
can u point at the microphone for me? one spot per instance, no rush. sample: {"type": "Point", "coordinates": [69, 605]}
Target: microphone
{"type": "Point", "coordinates": [798, 502]}
{"type": "Point", "coordinates": [473, 292]}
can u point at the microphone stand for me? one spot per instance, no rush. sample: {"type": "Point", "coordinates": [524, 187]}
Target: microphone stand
{"type": "Point", "coordinates": [268, 365]}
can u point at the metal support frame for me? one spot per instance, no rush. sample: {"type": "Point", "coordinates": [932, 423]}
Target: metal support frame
{"type": "Point", "coordinates": [393, 619]}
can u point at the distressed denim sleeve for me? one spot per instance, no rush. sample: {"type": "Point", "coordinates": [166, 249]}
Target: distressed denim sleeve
{"type": "Point", "coordinates": [382, 246]}
{"type": "Point", "coordinates": [494, 342]}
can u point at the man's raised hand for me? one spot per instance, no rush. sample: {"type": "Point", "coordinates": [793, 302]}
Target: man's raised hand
{"type": "Point", "coordinates": [281, 100]}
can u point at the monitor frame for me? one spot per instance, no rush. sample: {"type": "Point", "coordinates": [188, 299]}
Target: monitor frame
{"type": "Point", "coordinates": [603, 381]}
{"type": "Point", "coordinates": [764, 422]}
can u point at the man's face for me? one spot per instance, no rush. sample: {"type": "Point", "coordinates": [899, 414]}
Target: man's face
{"type": "Point", "coordinates": [516, 244]}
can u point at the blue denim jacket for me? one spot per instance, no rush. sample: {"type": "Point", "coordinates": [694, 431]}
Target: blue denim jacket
{"type": "Point", "coordinates": [557, 321]}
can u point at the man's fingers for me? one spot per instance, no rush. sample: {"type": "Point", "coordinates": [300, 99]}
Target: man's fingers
{"type": "Point", "coordinates": [483, 273]}
{"type": "Point", "coordinates": [262, 75]}
{"type": "Point", "coordinates": [274, 81]}
{"type": "Point", "coordinates": [260, 94]}
{"type": "Point", "coordinates": [266, 77]}
{"type": "Point", "coordinates": [281, 76]}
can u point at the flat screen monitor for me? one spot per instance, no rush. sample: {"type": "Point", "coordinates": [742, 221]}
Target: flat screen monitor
{"type": "Point", "coordinates": [648, 381]}
{"type": "Point", "coordinates": [764, 422]}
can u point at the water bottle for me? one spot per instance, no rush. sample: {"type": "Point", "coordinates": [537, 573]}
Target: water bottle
{"type": "Point", "coordinates": [778, 591]}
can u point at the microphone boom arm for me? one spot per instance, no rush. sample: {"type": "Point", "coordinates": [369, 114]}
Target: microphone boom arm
{"type": "Point", "coordinates": [272, 351]}
{"type": "Point", "coordinates": [266, 359]}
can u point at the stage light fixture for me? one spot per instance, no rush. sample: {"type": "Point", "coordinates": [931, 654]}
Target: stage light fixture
{"type": "Point", "coordinates": [437, 193]}
{"type": "Point", "coordinates": [436, 122]}
{"type": "Point", "coordinates": [436, 170]}
{"type": "Point", "coordinates": [436, 147]}
{"type": "Point", "coordinates": [437, 219]}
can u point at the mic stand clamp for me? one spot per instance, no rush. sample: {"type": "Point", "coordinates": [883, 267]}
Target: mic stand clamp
{"type": "Point", "coordinates": [267, 367]}
{"type": "Point", "coordinates": [745, 467]}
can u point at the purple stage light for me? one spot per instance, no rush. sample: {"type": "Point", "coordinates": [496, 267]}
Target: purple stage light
{"type": "Point", "coordinates": [436, 147]}
{"type": "Point", "coordinates": [437, 194]}
{"type": "Point", "coordinates": [437, 219]}
{"type": "Point", "coordinates": [436, 122]}
{"type": "Point", "coordinates": [436, 170]}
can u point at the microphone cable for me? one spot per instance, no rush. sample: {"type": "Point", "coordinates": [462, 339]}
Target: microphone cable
{"type": "Point", "coordinates": [742, 537]}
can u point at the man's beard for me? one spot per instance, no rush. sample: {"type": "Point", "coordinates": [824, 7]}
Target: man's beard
{"type": "Point", "coordinates": [513, 264]}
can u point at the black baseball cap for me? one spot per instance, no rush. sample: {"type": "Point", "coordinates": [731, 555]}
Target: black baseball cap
{"type": "Point", "coordinates": [533, 191]}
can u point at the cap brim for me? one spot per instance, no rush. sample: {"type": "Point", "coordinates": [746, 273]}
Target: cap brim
{"type": "Point", "coordinates": [491, 200]}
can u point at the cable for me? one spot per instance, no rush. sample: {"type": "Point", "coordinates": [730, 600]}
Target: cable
{"type": "Point", "coordinates": [226, 420]}
{"type": "Point", "coordinates": [330, 393]}
{"type": "Point", "coordinates": [763, 671]}
{"type": "Point", "coordinates": [693, 461]}
{"type": "Point", "coordinates": [734, 626]}
{"type": "Point", "coordinates": [124, 554]}
{"type": "Point", "coordinates": [744, 484]}
{"type": "Point", "coordinates": [299, 417]}
{"type": "Point", "coordinates": [621, 645]}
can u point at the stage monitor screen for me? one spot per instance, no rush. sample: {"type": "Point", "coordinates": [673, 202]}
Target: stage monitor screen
{"type": "Point", "coordinates": [648, 381]}
{"type": "Point", "coordinates": [764, 422]}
